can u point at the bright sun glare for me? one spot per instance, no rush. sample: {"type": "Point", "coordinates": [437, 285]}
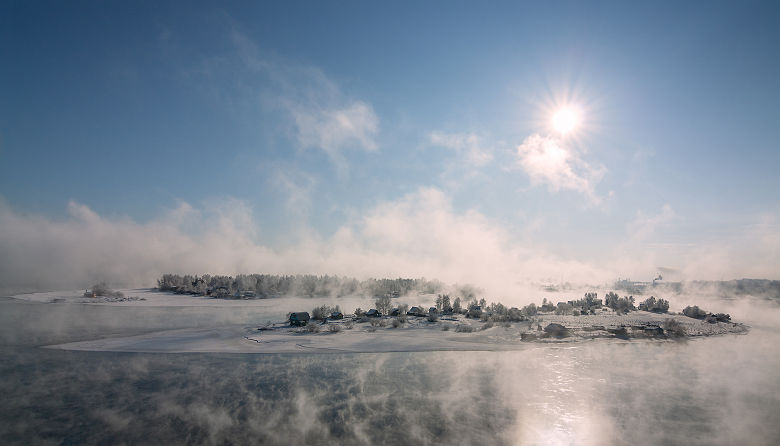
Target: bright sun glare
{"type": "Point", "coordinates": [565, 120]}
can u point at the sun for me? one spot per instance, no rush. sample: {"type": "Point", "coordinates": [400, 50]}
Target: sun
{"type": "Point", "coordinates": [566, 120]}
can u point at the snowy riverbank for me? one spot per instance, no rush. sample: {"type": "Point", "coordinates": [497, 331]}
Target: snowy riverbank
{"type": "Point", "coordinates": [454, 333]}
{"type": "Point", "coordinates": [272, 333]}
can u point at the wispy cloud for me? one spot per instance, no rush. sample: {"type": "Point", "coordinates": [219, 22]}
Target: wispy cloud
{"type": "Point", "coordinates": [322, 115]}
{"type": "Point", "coordinates": [548, 161]}
{"type": "Point", "coordinates": [335, 129]}
{"type": "Point", "coordinates": [297, 186]}
{"type": "Point", "coordinates": [419, 234]}
{"type": "Point", "coordinates": [644, 226]}
{"type": "Point", "coordinates": [469, 146]}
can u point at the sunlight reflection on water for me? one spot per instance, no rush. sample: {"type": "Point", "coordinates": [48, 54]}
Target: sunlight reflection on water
{"type": "Point", "coordinates": [720, 390]}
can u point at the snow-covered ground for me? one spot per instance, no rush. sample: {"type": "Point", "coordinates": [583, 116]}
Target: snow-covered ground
{"type": "Point", "coordinates": [271, 333]}
{"type": "Point", "coordinates": [136, 297]}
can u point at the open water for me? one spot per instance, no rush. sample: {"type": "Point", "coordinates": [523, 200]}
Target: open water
{"type": "Point", "coordinates": [711, 391]}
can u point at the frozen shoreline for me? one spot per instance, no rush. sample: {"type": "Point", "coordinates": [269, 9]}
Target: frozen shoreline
{"type": "Point", "coordinates": [417, 335]}
{"type": "Point", "coordinates": [373, 335]}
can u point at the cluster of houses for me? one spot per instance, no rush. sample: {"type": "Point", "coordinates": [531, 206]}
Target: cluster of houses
{"type": "Point", "coordinates": [581, 306]}
{"type": "Point", "coordinates": [301, 318]}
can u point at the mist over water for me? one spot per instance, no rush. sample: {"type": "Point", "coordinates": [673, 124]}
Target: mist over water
{"type": "Point", "coordinates": [719, 390]}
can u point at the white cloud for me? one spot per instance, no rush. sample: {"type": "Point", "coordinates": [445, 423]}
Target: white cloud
{"type": "Point", "coordinates": [644, 226]}
{"type": "Point", "coordinates": [467, 145]}
{"type": "Point", "coordinates": [420, 234]}
{"type": "Point", "coordinates": [417, 235]}
{"type": "Point", "coordinates": [642, 250]}
{"type": "Point", "coordinates": [547, 161]}
{"type": "Point", "coordinates": [322, 116]}
{"type": "Point", "coordinates": [335, 129]}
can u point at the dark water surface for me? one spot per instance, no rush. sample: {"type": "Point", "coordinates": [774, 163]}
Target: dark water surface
{"type": "Point", "coordinates": [720, 390]}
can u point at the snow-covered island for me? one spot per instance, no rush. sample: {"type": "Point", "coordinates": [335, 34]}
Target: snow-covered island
{"type": "Point", "coordinates": [446, 326]}
{"type": "Point", "coordinates": [459, 332]}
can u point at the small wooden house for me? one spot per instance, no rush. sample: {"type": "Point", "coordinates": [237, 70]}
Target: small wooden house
{"type": "Point", "coordinates": [373, 313]}
{"type": "Point", "coordinates": [415, 311]}
{"type": "Point", "coordinates": [299, 318]}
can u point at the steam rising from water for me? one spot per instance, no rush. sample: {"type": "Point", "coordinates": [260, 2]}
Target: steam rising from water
{"type": "Point", "coordinates": [419, 235]}
{"type": "Point", "coordinates": [721, 390]}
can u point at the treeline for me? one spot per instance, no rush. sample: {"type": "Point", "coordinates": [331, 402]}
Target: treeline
{"type": "Point", "coordinates": [268, 285]}
{"type": "Point", "coordinates": [498, 312]}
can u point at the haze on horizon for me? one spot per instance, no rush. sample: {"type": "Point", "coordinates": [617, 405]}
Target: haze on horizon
{"type": "Point", "coordinates": [496, 145]}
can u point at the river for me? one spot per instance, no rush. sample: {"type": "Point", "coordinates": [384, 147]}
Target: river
{"type": "Point", "coordinates": [709, 391]}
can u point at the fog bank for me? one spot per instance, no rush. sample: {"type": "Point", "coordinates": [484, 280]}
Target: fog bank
{"type": "Point", "coordinates": [418, 235]}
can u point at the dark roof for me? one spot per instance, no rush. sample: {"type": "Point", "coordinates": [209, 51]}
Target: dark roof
{"type": "Point", "coordinates": [415, 311]}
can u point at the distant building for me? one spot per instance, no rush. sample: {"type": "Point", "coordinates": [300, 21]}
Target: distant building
{"type": "Point", "coordinates": [475, 311]}
{"type": "Point", "coordinates": [299, 319]}
{"type": "Point", "coordinates": [373, 313]}
{"type": "Point", "coordinates": [415, 311]}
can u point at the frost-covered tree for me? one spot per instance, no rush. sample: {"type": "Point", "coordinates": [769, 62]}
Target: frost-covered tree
{"type": "Point", "coordinates": [656, 306]}
{"type": "Point", "coordinates": [383, 304]}
{"type": "Point", "coordinates": [611, 300]}
{"type": "Point", "coordinates": [694, 312]}
{"type": "Point", "coordinates": [445, 303]}
{"type": "Point", "coordinates": [456, 307]}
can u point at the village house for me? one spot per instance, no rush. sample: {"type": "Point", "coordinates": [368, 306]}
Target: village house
{"type": "Point", "coordinates": [299, 318]}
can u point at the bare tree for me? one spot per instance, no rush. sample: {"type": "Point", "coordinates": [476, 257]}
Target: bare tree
{"type": "Point", "coordinates": [383, 304]}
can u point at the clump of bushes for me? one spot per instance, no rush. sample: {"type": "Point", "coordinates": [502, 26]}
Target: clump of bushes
{"type": "Point", "coordinates": [396, 323]}
{"type": "Point", "coordinates": [621, 305]}
{"type": "Point", "coordinates": [433, 317]}
{"type": "Point", "coordinates": [334, 328]}
{"type": "Point", "coordinates": [653, 305]}
{"type": "Point", "coordinates": [722, 317]}
{"type": "Point", "coordinates": [323, 311]}
{"type": "Point", "coordinates": [697, 313]}
{"type": "Point", "coordinates": [464, 328]}
{"type": "Point", "coordinates": [694, 312]}
{"type": "Point", "coordinates": [564, 308]}
{"type": "Point", "coordinates": [530, 310]}
{"type": "Point", "coordinates": [378, 322]}
{"type": "Point", "coordinates": [309, 328]}
{"type": "Point", "coordinates": [100, 289]}
{"type": "Point", "coordinates": [486, 325]}
{"type": "Point", "coordinates": [673, 329]}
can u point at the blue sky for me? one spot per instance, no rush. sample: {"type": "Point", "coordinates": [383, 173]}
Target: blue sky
{"type": "Point", "coordinates": [303, 121]}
